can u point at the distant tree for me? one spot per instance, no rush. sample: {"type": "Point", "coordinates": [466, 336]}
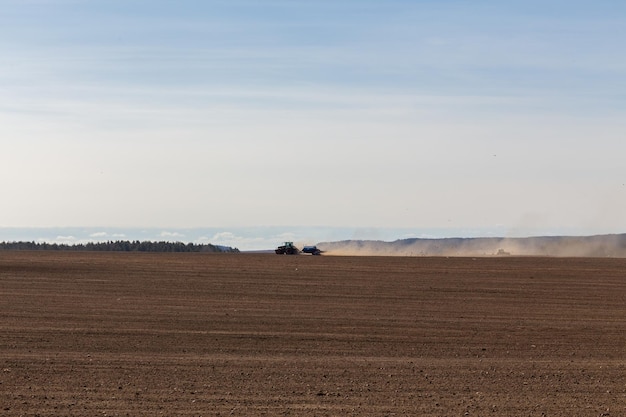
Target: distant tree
{"type": "Point", "coordinates": [119, 246]}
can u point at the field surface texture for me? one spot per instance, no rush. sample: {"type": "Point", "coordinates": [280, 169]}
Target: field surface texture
{"type": "Point", "coordinates": [137, 334]}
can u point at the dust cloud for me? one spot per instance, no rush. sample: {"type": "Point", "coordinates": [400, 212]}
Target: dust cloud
{"type": "Point", "coordinates": [557, 246]}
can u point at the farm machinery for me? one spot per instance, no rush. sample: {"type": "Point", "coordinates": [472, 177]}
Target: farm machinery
{"type": "Point", "coordinates": [287, 249]}
{"type": "Point", "coordinates": [313, 250]}
{"type": "Point", "coordinates": [290, 249]}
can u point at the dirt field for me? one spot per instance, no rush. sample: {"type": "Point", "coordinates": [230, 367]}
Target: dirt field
{"type": "Point", "coordinates": [117, 334]}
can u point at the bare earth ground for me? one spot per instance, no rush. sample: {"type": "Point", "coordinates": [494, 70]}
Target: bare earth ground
{"type": "Point", "coordinates": [86, 334]}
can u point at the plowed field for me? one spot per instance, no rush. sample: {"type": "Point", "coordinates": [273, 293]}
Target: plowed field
{"type": "Point", "coordinates": [135, 334]}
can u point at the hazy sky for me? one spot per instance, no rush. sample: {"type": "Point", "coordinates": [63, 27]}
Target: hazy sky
{"type": "Point", "coordinates": [340, 113]}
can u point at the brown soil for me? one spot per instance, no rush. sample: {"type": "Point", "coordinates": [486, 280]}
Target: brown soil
{"type": "Point", "coordinates": [85, 334]}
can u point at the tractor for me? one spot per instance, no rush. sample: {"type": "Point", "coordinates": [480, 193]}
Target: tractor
{"type": "Point", "coordinates": [287, 249]}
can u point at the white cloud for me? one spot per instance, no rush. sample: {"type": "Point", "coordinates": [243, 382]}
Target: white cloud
{"type": "Point", "coordinates": [166, 234]}
{"type": "Point", "coordinates": [98, 236]}
{"type": "Point", "coordinates": [238, 241]}
{"type": "Point", "coordinates": [286, 237]}
{"type": "Point", "coordinates": [66, 239]}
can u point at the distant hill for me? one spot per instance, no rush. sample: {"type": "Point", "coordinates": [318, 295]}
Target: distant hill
{"type": "Point", "coordinates": [613, 245]}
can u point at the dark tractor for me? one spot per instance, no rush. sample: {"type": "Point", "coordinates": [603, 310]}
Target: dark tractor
{"type": "Point", "coordinates": [287, 249]}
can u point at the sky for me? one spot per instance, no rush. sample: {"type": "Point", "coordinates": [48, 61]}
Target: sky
{"type": "Point", "coordinates": [339, 118]}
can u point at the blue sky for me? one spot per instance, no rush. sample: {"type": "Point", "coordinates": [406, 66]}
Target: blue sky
{"type": "Point", "coordinates": [464, 116]}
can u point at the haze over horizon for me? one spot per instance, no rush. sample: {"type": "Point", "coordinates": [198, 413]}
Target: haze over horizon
{"type": "Point", "coordinates": [268, 237]}
{"type": "Point", "coordinates": [392, 119]}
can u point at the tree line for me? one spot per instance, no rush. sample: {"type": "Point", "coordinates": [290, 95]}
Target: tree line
{"type": "Point", "coordinates": [119, 246]}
